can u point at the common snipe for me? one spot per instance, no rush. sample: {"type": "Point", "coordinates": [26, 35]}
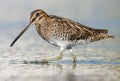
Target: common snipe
{"type": "Point", "coordinates": [63, 32]}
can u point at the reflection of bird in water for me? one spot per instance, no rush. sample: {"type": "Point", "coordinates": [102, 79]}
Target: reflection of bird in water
{"type": "Point", "coordinates": [63, 32]}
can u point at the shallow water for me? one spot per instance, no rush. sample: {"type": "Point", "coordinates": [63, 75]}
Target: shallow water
{"type": "Point", "coordinates": [98, 61]}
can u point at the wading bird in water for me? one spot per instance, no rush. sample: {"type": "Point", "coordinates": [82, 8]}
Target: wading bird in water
{"type": "Point", "coordinates": [63, 32]}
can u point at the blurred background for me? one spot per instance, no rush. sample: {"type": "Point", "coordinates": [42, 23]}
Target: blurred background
{"type": "Point", "coordinates": [99, 61]}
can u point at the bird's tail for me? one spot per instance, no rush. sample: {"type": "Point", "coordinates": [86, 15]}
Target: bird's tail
{"type": "Point", "coordinates": [100, 34]}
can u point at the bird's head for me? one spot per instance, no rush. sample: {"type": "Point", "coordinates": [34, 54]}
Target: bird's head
{"type": "Point", "coordinates": [37, 17]}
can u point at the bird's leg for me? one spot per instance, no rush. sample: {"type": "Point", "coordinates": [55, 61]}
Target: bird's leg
{"type": "Point", "coordinates": [59, 57]}
{"type": "Point", "coordinates": [73, 55]}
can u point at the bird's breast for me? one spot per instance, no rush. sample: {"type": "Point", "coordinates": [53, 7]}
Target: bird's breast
{"type": "Point", "coordinates": [43, 32]}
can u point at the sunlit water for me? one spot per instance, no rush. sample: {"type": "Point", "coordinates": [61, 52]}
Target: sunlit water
{"type": "Point", "coordinates": [98, 61]}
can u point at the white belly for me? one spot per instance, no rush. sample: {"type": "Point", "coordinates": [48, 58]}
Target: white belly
{"type": "Point", "coordinates": [67, 44]}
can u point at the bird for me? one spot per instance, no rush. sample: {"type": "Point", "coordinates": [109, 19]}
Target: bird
{"type": "Point", "coordinates": [62, 32]}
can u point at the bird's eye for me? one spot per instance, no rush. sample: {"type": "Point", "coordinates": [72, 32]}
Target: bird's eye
{"type": "Point", "coordinates": [37, 14]}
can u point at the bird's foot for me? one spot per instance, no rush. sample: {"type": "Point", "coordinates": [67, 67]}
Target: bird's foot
{"type": "Point", "coordinates": [74, 58]}
{"type": "Point", "coordinates": [52, 59]}
{"type": "Point", "coordinates": [58, 58]}
{"type": "Point", "coordinates": [44, 61]}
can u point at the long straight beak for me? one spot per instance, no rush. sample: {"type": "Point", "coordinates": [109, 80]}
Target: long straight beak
{"type": "Point", "coordinates": [20, 34]}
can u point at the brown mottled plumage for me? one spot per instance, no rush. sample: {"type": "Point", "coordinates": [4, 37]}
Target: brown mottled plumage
{"type": "Point", "coordinates": [63, 32]}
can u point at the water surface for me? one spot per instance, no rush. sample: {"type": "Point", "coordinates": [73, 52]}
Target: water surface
{"type": "Point", "coordinates": [98, 61]}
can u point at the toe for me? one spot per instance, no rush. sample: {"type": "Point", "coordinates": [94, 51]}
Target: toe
{"type": "Point", "coordinates": [44, 61]}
